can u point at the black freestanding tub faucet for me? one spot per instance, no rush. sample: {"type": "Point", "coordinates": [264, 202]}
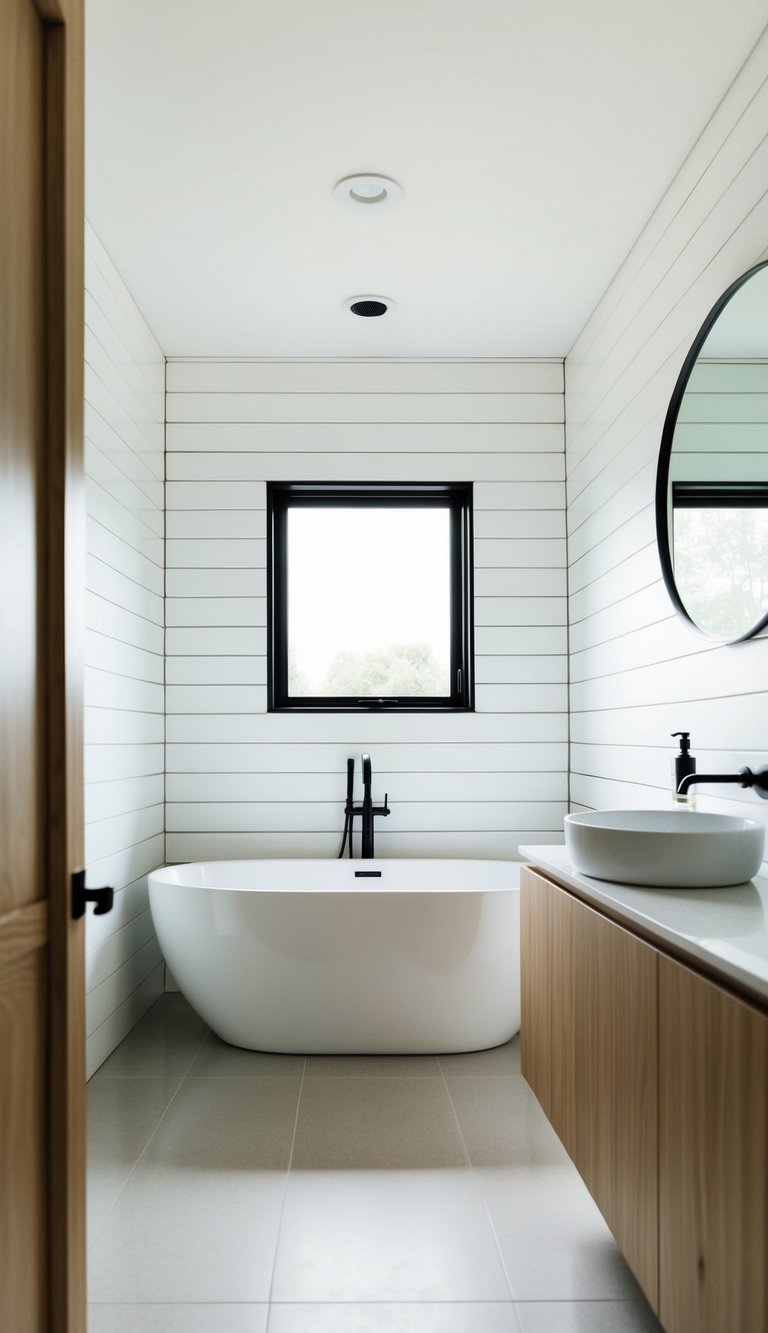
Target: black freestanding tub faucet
{"type": "Point", "coordinates": [367, 811]}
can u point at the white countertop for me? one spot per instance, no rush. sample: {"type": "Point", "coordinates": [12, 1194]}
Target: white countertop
{"type": "Point", "coordinates": [726, 929]}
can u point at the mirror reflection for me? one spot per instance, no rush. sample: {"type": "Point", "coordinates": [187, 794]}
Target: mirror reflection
{"type": "Point", "coordinates": [712, 487]}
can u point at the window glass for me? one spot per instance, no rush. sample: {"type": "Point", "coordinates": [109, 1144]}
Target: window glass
{"type": "Point", "coordinates": [369, 602]}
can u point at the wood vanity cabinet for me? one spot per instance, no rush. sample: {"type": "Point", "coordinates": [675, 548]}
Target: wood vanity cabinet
{"type": "Point", "coordinates": [656, 1080]}
{"type": "Point", "coordinates": [588, 1048]}
{"type": "Point", "coordinates": [713, 1156]}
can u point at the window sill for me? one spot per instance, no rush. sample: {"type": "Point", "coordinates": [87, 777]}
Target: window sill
{"type": "Point", "coordinates": [385, 707]}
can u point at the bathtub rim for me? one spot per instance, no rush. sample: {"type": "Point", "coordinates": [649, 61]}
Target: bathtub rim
{"type": "Point", "coordinates": [355, 876]}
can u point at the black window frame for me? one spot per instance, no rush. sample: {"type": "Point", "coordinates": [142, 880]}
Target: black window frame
{"type": "Point", "coordinates": [719, 495]}
{"type": "Point", "coordinates": [454, 496]}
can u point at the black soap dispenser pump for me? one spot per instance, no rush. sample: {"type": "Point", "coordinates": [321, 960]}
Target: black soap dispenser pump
{"type": "Point", "coordinates": [682, 764]}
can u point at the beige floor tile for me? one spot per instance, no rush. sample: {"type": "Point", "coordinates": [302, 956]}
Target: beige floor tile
{"type": "Point", "coordinates": [376, 1123]}
{"type": "Point", "coordinates": [588, 1317]}
{"type": "Point", "coordinates": [498, 1060]}
{"type": "Point", "coordinates": [503, 1124]}
{"type": "Point", "coordinates": [386, 1236]}
{"type": "Point", "coordinates": [395, 1317]}
{"type": "Point", "coordinates": [384, 1224]}
{"type": "Point", "coordinates": [162, 1045]}
{"type": "Point", "coordinates": [198, 1220]}
{"type": "Point", "coordinates": [226, 1125]}
{"type": "Point", "coordinates": [202, 1238]}
{"type": "Point", "coordinates": [216, 1059]}
{"type": "Point", "coordinates": [553, 1239]}
{"type": "Point", "coordinates": [122, 1116]}
{"type": "Point", "coordinates": [177, 1318]}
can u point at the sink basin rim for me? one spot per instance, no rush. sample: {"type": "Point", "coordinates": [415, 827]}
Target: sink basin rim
{"type": "Point", "coordinates": [691, 822]}
{"type": "Point", "coordinates": [665, 848]}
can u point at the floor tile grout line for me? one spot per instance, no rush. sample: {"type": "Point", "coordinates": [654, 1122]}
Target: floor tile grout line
{"type": "Point", "coordinates": [480, 1192]}
{"type": "Point", "coordinates": [140, 1157]}
{"type": "Point", "coordinates": [285, 1196]}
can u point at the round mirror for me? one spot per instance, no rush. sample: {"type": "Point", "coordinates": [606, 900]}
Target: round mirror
{"type": "Point", "coordinates": [712, 480]}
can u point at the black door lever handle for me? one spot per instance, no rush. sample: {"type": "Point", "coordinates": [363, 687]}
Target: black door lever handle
{"type": "Point", "coordinates": [103, 898]}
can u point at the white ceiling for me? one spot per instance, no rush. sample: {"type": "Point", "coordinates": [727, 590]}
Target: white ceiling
{"type": "Point", "coordinates": [532, 139]}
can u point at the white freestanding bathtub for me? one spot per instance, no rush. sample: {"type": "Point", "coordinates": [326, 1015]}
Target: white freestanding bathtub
{"type": "Point", "coordinates": [355, 957]}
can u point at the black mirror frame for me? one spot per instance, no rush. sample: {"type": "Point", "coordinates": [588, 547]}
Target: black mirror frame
{"type": "Point", "coordinates": [662, 473]}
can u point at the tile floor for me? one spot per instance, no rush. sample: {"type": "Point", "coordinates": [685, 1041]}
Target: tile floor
{"type": "Point", "coordinates": [234, 1192]}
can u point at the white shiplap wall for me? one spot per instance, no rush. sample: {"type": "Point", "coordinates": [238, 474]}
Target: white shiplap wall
{"type": "Point", "coordinates": [637, 673]}
{"type": "Point", "coordinates": [243, 782]}
{"type": "Point", "coordinates": [124, 674]}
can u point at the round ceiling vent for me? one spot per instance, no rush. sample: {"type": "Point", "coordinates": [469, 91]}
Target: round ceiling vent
{"type": "Point", "coordinates": [368, 190]}
{"type": "Point", "coordinates": [368, 307]}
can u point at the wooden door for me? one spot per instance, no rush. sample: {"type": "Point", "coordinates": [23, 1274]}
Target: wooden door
{"type": "Point", "coordinates": [42, 1234]}
{"type": "Point", "coordinates": [713, 1157]}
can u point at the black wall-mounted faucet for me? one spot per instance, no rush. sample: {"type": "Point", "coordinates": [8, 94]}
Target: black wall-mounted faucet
{"type": "Point", "coordinates": [745, 777]}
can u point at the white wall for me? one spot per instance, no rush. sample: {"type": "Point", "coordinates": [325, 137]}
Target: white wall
{"type": "Point", "coordinates": [243, 782]}
{"type": "Point", "coordinates": [124, 676]}
{"type": "Point", "coordinates": [637, 673]}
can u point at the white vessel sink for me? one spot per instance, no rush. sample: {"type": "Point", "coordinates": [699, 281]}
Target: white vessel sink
{"type": "Point", "coordinates": [673, 849]}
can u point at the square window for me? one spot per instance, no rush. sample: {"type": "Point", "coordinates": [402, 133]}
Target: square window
{"type": "Point", "coordinates": [369, 596]}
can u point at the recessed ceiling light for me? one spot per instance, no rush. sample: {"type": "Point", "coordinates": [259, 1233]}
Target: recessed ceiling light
{"type": "Point", "coordinates": [368, 190]}
{"type": "Point", "coordinates": [368, 307]}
